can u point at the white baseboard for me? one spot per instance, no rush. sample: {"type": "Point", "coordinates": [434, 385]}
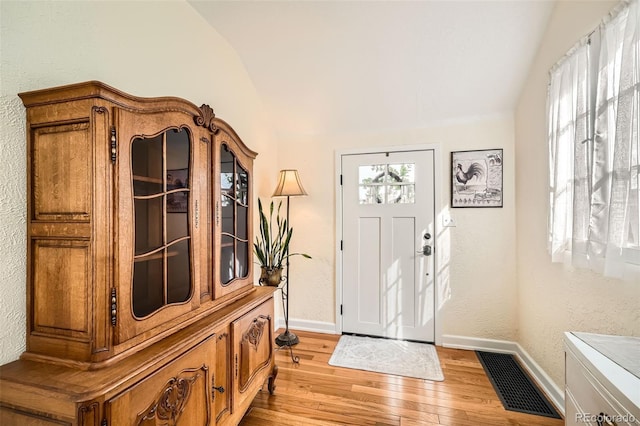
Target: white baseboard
{"type": "Point", "coordinates": [308, 325]}
{"type": "Point", "coordinates": [548, 386]}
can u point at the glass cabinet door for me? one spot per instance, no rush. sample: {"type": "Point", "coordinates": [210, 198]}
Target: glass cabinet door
{"type": "Point", "coordinates": [234, 235]}
{"type": "Point", "coordinates": [161, 191]}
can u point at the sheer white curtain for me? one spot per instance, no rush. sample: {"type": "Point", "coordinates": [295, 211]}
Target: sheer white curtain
{"type": "Point", "coordinates": [615, 214]}
{"type": "Point", "coordinates": [594, 114]}
{"type": "Point", "coordinates": [570, 113]}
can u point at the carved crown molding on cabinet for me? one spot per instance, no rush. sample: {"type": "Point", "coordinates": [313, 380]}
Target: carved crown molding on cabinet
{"type": "Point", "coordinates": [206, 118]}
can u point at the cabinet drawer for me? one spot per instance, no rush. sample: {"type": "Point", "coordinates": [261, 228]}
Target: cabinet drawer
{"type": "Point", "coordinates": [587, 401]}
{"type": "Point", "coordinates": [177, 394]}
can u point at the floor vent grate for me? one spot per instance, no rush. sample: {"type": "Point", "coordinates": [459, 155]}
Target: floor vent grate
{"type": "Point", "coordinates": [514, 387]}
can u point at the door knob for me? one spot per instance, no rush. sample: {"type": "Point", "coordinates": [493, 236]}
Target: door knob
{"type": "Point", "coordinates": [426, 250]}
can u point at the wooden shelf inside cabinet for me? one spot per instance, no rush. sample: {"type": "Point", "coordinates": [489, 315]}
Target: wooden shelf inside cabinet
{"type": "Point", "coordinates": [155, 256]}
{"type": "Point", "coordinates": [147, 179]}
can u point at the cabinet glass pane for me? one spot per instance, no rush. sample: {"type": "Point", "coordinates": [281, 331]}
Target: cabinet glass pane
{"type": "Point", "coordinates": [234, 250]}
{"type": "Point", "coordinates": [228, 216]}
{"type": "Point", "coordinates": [178, 272]}
{"type": "Point", "coordinates": [178, 152]}
{"type": "Point", "coordinates": [148, 226]}
{"type": "Point", "coordinates": [227, 259]}
{"type": "Point", "coordinates": [147, 166]}
{"type": "Point", "coordinates": [242, 185]}
{"type": "Point", "coordinates": [242, 261]}
{"type": "Point", "coordinates": [177, 225]}
{"type": "Point", "coordinates": [178, 202]}
{"type": "Point", "coordinates": [243, 213]}
{"type": "Point", "coordinates": [161, 186]}
{"type": "Point", "coordinates": [227, 163]}
{"type": "Point", "coordinates": [148, 275]}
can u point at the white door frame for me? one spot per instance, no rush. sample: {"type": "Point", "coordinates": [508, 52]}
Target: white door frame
{"type": "Point", "coordinates": [437, 190]}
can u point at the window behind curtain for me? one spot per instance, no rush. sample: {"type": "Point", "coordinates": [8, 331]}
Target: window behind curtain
{"type": "Point", "coordinates": [593, 115]}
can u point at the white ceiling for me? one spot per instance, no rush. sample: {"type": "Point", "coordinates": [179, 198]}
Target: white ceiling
{"type": "Point", "coordinates": [328, 67]}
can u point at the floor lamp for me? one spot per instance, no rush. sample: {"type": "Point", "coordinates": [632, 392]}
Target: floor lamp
{"type": "Point", "coordinates": [289, 185]}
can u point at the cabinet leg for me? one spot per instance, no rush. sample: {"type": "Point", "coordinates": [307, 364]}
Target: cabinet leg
{"type": "Point", "coordinates": [272, 380]}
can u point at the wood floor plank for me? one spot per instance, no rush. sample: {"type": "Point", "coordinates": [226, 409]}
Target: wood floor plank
{"type": "Point", "coordinates": [317, 394]}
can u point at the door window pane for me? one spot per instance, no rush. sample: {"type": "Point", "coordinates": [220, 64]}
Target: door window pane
{"type": "Point", "coordinates": [386, 183]}
{"type": "Point", "coordinates": [370, 194]}
{"type": "Point", "coordinates": [401, 194]}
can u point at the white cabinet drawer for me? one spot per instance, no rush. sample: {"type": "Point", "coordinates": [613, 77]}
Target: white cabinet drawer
{"type": "Point", "coordinates": [593, 402]}
{"type": "Point", "coordinates": [589, 399]}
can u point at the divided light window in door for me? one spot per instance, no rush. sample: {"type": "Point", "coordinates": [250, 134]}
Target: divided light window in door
{"type": "Point", "coordinates": [387, 183]}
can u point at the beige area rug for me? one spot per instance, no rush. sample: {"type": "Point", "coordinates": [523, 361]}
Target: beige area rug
{"type": "Point", "coordinates": [397, 357]}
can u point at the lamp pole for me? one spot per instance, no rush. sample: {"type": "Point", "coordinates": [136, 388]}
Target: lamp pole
{"type": "Point", "coordinates": [288, 185]}
{"type": "Point", "coordinates": [287, 338]}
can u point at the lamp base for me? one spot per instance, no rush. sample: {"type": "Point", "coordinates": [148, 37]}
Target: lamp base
{"type": "Point", "coordinates": [287, 339]}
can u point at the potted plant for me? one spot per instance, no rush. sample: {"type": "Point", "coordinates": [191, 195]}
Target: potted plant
{"type": "Point", "coordinates": [272, 248]}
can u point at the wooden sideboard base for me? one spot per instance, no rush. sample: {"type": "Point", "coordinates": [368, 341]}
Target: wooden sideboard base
{"type": "Point", "coordinates": [50, 394]}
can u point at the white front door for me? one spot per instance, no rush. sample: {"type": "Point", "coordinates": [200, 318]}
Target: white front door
{"type": "Point", "coordinates": [388, 239]}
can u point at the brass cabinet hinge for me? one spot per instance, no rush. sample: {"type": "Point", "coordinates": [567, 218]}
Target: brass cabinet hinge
{"type": "Point", "coordinates": [236, 357]}
{"type": "Point", "coordinates": [197, 218]}
{"type": "Point", "coordinates": [114, 306]}
{"type": "Point", "coordinates": [114, 145]}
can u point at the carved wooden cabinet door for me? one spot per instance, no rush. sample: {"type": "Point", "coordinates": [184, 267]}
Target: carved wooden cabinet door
{"type": "Point", "coordinates": [160, 220]}
{"type": "Point", "coordinates": [253, 351]}
{"type": "Point", "coordinates": [233, 212]}
{"type": "Point", "coordinates": [176, 395]}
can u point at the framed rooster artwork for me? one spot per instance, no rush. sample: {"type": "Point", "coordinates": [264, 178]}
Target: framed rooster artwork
{"type": "Point", "coordinates": [476, 178]}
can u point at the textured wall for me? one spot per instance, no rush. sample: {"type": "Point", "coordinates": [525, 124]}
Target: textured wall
{"type": "Point", "coordinates": [478, 256]}
{"type": "Point", "coordinates": [553, 298]}
{"type": "Point", "coordinates": [12, 227]}
{"type": "Point", "coordinates": [143, 48]}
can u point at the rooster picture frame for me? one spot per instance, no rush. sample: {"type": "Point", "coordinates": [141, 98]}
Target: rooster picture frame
{"type": "Point", "coordinates": [476, 178]}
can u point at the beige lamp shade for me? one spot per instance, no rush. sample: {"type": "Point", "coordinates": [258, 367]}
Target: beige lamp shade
{"type": "Point", "coordinates": [289, 184]}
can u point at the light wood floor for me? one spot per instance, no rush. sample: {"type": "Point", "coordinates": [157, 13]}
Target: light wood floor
{"type": "Point", "coordinates": [316, 393]}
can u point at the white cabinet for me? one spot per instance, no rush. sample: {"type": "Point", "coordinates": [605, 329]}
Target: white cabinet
{"type": "Point", "coordinates": [598, 391]}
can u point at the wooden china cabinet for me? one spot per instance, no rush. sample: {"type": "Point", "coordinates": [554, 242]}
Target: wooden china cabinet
{"type": "Point", "coordinates": [141, 308]}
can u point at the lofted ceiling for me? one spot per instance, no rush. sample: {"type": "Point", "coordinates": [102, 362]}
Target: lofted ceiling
{"type": "Point", "coordinates": [328, 67]}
